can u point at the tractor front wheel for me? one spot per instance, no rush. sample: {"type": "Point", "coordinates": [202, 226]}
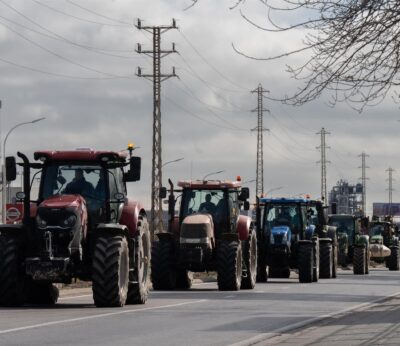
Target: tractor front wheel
{"type": "Point", "coordinates": [229, 265]}
{"type": "Point", "coordinates": [305, 263]}
{"type": "Point", "coordinates": [110, 271]}
{"type": "Point", "coordinates": [359, 260]}
{"type": "Point", "coordinates": [163, 269]}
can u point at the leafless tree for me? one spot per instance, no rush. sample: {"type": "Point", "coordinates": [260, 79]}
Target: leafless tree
{"type": "Point", "coordinates": [353, 47]}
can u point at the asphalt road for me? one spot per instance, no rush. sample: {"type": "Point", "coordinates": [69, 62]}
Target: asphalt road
{"type": "Point", "coordinates": [200, 316]}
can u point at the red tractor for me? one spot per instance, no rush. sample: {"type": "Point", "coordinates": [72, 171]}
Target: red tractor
{"type": "Point", "coordinates": [209, 234]}
{"type": "Point", "coordinates": [81, 226]}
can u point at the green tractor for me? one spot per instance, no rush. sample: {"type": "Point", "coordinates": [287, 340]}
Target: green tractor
{"type": "Point", "coordinates": [353, 244]}
{"type": "Point", "coordinates": [384, 246]}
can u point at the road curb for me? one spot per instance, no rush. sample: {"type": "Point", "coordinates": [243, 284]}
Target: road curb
{"type": "Point", "coordinates": [293, 327]}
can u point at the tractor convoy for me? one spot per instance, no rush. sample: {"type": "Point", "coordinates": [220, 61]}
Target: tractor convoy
{"type": "Point", "coordinates": [82, 226]}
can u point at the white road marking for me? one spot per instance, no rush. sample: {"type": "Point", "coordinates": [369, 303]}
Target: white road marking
{"type": "Point", "coordinates": [229, 296]}
{"type": "Point", "coordinates": [73, 297]}
{"type": "Point", "coordinates": [264, 336]}
{"type": "Point", "coordinates": [46, 324]}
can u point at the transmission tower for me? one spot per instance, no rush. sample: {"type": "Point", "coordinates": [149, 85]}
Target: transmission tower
{"type": "Point", "coordinates": [323, 161]}
{"type": "Point", "coordinates": [157, 77]}
{"type": "Point", "coordinates": [260, 129]}
{"type": "Point", "coordinates": [363, 181]}
{"type": "Point", "coordinates": [390, 189]}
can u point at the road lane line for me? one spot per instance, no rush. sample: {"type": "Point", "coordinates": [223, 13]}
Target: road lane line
{"type": "Point", "coordinates": [306, 323]}
{"type": "Point", "coordinates": [46, 324]}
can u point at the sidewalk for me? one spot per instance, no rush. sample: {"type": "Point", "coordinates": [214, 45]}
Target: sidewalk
{"type": "Point", "coordinates": [377, 324]}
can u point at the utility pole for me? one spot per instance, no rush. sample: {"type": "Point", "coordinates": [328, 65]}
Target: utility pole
{"type": "Point", "coordinates": [260, 129]}
{"type": "Point", "coordinates": [156, 222]}
{"type": "Point", "coordinates": [390, 189]}
{"type": "Point", "coordinates": [323, 161]}
{"type": "Point", "coordinates": [363, 181]}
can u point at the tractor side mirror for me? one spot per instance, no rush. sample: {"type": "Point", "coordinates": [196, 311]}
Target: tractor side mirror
{"type": "Point", "coordinates": [162, 192]}
{"type": "Point", "coordinates": [244, 194]}
{"type": "Point", "coordinates": [11, 168]}
{"type": "Point", "coordinates": [134, 169]}
{"type": "Point", "coordinates": [246, 205]}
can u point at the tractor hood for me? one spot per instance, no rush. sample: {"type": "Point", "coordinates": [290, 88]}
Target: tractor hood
{"type": "Point", "coordinates": [63, 201]}
{"type": "Point", "coordinates": [280, 235]}
{"type": "Point", "coordinates": [197, 228]}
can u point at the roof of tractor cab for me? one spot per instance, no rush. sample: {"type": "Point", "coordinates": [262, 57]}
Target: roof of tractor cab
{"type": "Point", "coordinates": [285, 200]}
{"type": "Point", "coordinates": [79, 155]}
{"type": "Point", "coordinates": [210, 184]}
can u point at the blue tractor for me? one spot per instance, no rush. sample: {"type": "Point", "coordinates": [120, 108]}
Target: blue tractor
{"type": "Point", "coordinates": [292, 233]}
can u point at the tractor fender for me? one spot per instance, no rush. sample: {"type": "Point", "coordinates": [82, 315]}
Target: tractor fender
{"type": "Point", "coordinates": [130, 216]}
{"type": "Point", "coordinates": [362, 240]}
{"type": "Point", "coordinates": [332, 234]}
{"type": "Point", "coordinates": [243, 227]}
{"type": "Point", "coordinates": [112, 228]}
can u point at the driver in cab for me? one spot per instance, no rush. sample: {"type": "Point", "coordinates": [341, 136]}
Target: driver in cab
{"type": "Point", "coordinates": [79, 185]}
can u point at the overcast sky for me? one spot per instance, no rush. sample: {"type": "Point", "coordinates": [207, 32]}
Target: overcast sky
{"type": "Point", "coordinates": [74, 62]}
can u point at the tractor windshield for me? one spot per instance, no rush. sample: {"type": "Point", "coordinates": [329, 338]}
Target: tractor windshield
{"type": "Point", "coordinates": [343, 225]}
{"type": "Point", "coordinates": [85, 180]}
{"type": "Point", "coordinates": [283, 215]}
{"type": "Point", "coordinates": [377, 230]}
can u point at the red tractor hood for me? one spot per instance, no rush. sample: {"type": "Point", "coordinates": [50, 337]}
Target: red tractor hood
{"type": "Point", "coordinates": [63, 201]}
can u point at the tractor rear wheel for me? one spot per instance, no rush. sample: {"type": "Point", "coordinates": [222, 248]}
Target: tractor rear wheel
{"type": "Point", "coordinates": [305, 259]}
{"type": "Point", "coordinates": [393, 260]}
{"type": "Point", "coordinates": [184, 279]}
{"type": "Point", "coordinates": [12, 276]}
{"type": "Point", "coordinates": [110, 271]}
{"type": "Point", "coordinates": [325, 261]}
{"type": "Point", "coordinates": [138, 290]}
{"type": "Point", "coordinates": [359, 260]}
{"type": "Point", "coordinates": [163, 271]}
{"type": "Point", "coordinates": [250, 261]}
{"type": "Point", "coordinates": [229, 265]}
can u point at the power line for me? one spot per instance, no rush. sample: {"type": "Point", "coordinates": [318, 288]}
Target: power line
{"type": "Point", "coordinates": [78, 18]}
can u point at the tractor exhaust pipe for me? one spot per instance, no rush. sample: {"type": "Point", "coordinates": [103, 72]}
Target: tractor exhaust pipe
{"type": "Point", "coordinates": [27, 189]}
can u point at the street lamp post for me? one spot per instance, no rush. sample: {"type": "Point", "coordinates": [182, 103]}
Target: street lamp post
{"type": "Point", "coordinates": [176, 160]}
{"type": "Point", "coordinates": [273, 189]}
{"type": "Point", "coordinates": [4, 173]}
{"type": "Point", "coordinates": [212, 173]}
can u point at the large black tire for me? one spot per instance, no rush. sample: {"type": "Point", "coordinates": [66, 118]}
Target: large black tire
{"type": "Point", "coordinates": [138, 290]}
{"type": "Point", "coordinates": [325, 260]}
{"type": "Point", "coordinates": [306, 259]}
{"type": "Point", "coordinates": [393, 259]}
{"type": "Point", "coordinates": [12, 276]}
{"type": "Point", "coordinates": [367, 259]}
{"type": "Point", "coordinates": [261, 265]}
{"type": "Point", "coordinates": [316, 260]}
{"type": "Point", "coordinates": [229, 265]}
{"type": "Point", "coordinates": [42, 293]}
{"type": "Point", "coordinates": [110, 274]}
{"type": "Point", "coordinates": [184, 279]}
{"type": "Point", "coordinates": [163, 268]}
{"type": "Point", "coordinates": [359, 260]}
{"type": "Point", "coordinates": [250, 261]}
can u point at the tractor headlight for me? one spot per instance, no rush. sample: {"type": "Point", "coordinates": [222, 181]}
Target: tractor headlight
{"type": "Point", "coordinates": [69, 221]}
{"type": "Point", "coordinates": [40, 222]}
